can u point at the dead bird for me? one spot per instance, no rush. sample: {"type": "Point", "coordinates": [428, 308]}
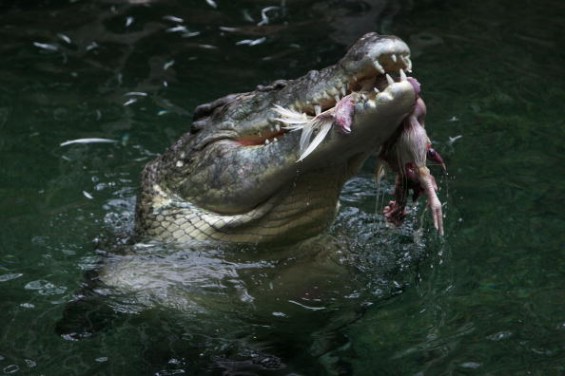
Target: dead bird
{"type": "Point", "coordinates": [406, 153]}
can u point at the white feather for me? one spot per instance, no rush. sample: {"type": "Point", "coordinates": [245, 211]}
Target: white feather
{"type": "Point", "coordinates": [294, 120]}
{"type": "Point", "coordinates": [322, 133]}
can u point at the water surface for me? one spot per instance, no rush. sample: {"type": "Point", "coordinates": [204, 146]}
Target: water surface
{"type": "Point", "coordinates": [488, 299]}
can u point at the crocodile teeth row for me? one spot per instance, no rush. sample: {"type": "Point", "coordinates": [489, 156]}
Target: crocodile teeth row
{"type": "Point", "coordinates": [275, 128]}
{"type": "Point", "coordinates": [340, 91]}
{"type": "Point", "coordinates": [379, 67]}
{"type": "Point", "coordinates": [267, 141]}
{"type": "Point", "coordinates": [343, 92]}
{"type": "Point", "coordinates": [406, 60]}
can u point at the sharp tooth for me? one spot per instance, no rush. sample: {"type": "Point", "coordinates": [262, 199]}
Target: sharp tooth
{"type": "Point", "coordinates": [407, 62]}
{"type": "Point", "coordinates": [393, 57]}
{"type": "Point", "coordinates": [336, 98]}
{"type": "Point", "coordinates": [389, 79]}
{"type": "Point", "coordinates": [376, 90]}
{"type": "Point", "coordinates": [318, 109]}
{"type": "Point", "coordinates": [266, 142]}
{"type": "Point", "coordinates": [343, 91]}
{"type": "Point", "coordinates": [277, 127]}
{"type": "Point", "coordinates": [402, 75]}
{"type": "Point", "coordinates": [384, 97]}
{"type": "Point", "coordinates": [379, 67]}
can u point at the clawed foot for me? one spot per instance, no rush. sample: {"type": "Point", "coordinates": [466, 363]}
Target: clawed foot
{"type": "Point", "coordinates": [429, 186]}
{"type": "Point", "coordinates": [437, 215]}
{"type": "Point", "coordinates": [419, 180]}
{"type": "Point", "coordinates": [395, 213]}
{"type": "Point", "coordinates": [434, 156]}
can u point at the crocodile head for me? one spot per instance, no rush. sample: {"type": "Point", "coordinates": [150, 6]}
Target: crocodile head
{"type": "Point", "coordinates": [238, 176]}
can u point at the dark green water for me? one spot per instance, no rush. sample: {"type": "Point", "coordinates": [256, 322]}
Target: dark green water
{"type": "Point", "coordinates": [487, 300]}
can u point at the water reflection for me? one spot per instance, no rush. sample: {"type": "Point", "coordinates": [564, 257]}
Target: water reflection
{"type": "Point", "coordinates": [244, 308]}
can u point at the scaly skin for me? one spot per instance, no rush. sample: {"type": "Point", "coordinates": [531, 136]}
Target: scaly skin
{"type": "Point", "coordinates": [235, 177]}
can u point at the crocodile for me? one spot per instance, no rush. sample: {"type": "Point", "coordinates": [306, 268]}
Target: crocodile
{"type": "Point", "coordinates": [240, 174]}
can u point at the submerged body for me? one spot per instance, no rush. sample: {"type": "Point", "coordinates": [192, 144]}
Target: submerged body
{"type": "Point", "coordinates": [242, 175]}
{"type": "Point", "coordinates": [268, 166]}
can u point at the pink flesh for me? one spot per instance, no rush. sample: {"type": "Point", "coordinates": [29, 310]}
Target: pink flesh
{"type": "Point", "coordinates": [415, 84]}
{"type": "Point", "coordinates": [407, 157]}
{"type": "Point", "coordinates": [343, 115]}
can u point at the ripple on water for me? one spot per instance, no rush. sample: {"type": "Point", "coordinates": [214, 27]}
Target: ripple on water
{"type": "Point", "coordinates": [9, 276]}
{"type": "Point", "coordinates": [43, 287]}
{"type": "Point", "coordinates": [12, 368]}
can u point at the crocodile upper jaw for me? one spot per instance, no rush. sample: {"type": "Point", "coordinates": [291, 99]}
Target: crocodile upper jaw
{"type": "Point", "coordinates": [237, 172]}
